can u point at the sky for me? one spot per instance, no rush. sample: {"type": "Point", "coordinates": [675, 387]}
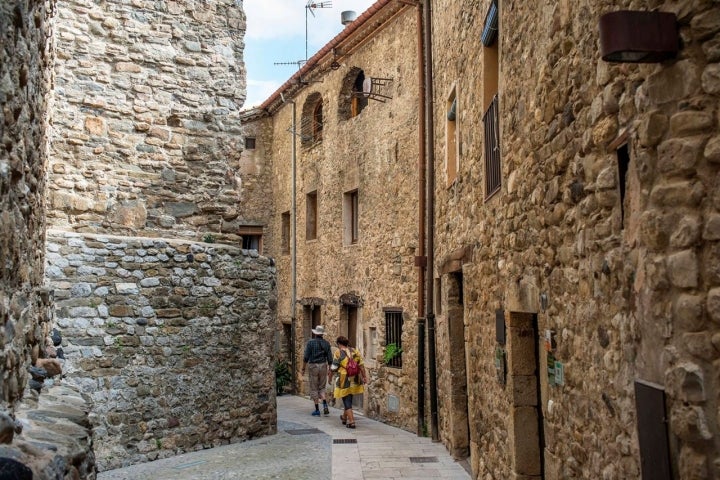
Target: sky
{"type": "Point", "coordinates": [276, 34]}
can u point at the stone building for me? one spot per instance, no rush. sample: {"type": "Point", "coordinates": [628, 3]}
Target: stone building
{"type": "Point", "coordinates": [573, 251]}
{"type": "Point", "coordinates": [585, 218]}
{"type": "Point", "coordinates": [356, 186]}
{"type": "Point", "coordinates": [119, 170]}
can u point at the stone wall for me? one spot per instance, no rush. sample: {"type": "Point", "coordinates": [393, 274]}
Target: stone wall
{"type": "Point", "coordinates": [376, 154]}
{"type": "Point", "coordinates": [25, 61]}
{"type": "Point", "coordinates": [146, 138]}
{"type": "Point", "coordinates": [623, 277]}
{"type": "Point", "coordinates": [172, 340]}
{"type": "Point", "coordinates": [45, 436]}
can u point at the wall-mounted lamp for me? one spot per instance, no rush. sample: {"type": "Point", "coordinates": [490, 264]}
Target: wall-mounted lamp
{"type": "Point", "coordinates": [629, 36]}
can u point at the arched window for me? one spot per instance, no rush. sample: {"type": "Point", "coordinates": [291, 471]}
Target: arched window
{"type": "Point", "coordinates": [352, 102]}
{"type": "Point", "coordinates": [311, 126]}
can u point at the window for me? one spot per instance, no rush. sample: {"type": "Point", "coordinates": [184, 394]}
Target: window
{"type": "Point", "coordinates": [285, 232]}
{"type": "Point", "coordinates": [393, 336]}
{"type": "Point", "coordinates": [623, 157]}
{"type": "Point", "coordinates": [359, 101]}
{"type": "Point", "coordinates": [311, 123]}
{"type": "Point", "coordinates": [451, 139]}
{"type": "Point", "coordinates": [350, 218]}
{"type": "Point", "coordinates": [249, 143]}
{"type": "Point", "coordinates": [311, 216]}
{"type": "Point", "coordinates": [493, 170]}
{"type": "Point", "coordinates": [251, 237]}
{"type": "Point", "coordinates": [317, 123]}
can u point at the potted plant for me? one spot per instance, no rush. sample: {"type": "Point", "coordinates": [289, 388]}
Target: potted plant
{"type": "Point", "coordinates": [283, 376]}
{"type": "Point", "coordinates": [391, 351]}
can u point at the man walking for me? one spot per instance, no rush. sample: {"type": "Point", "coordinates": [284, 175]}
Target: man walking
{"type": "Point", "coordinates": [318, 355]}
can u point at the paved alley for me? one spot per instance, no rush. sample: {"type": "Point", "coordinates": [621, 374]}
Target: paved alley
{"type": "Point", "coordinates": [308, 447]}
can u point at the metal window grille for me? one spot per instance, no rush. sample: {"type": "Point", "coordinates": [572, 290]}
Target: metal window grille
{"type": "Point", "coordinates": [318, 121]}
{"type": "Point", "coordinates": [393, 334]}
{"type": "Point", "coordinates": [492, 149]}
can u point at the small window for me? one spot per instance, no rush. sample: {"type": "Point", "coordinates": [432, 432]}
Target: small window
{"type": "Point", "coordinates": [393, 337]}
{"type": "Point", "coordinates": [451, 140]}
{"type": "Point", "coordinates": [350, 218]}
{"type": "Point", "coordinates": [623, 157]}
{"type": "Point", "coordinates": [249, 143]}
{"type": "Point", "coordinates": [285, 219]}
{"type": "Point", "coordinates": [251, 237]}
{"type": "Point", "coordinates": [311, 216]}
{"type": "Point", "coordinates": [317, 124]}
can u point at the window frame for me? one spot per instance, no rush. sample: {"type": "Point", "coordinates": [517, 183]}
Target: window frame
{"type": "Point", "coordinates": [393, 333]}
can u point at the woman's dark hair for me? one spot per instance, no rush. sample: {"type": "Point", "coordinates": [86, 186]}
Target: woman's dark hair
{"type": "Point", "coordinates": [343, 341]}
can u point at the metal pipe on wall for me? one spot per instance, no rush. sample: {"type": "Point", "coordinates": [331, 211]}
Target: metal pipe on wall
{"type": "Point", "coordinates": [293, 252]}
{"type": "Point", "coordinates": [421, 230]}
{"type": "Point", "coordinates": [430, 153]}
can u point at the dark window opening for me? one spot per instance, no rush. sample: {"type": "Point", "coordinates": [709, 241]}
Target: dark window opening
{"type": "Point", "coordinates": [251, 237]}
{"type": "Point", "coordinates": [285, 239]}
{"type": "Point", "coordinates": [351, 218]}
{"type": "Point", "coordinates": [249, 143]}
{"type": "Point", "coordinates": [393, 336]}
{"type": "Point", "coordinates": [359, 101]}
{"type": "Point", "coordinates": [623, 157]}
{"type": "Point", "coordinates": [311, 216]}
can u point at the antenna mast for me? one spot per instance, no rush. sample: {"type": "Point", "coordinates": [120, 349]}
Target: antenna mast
{"type": "Point", "coordinates": [310, 7]}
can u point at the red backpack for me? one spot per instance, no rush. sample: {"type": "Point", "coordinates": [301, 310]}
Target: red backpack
{"type": "Point", "coordinates": [351, 367]}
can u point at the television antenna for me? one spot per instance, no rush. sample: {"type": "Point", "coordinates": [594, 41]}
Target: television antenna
{"type": "Point", "coordinates": [310, 7]}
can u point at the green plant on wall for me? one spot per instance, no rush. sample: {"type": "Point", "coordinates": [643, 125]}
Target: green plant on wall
{"type": "Point", "coordinates": [209, 238]}
{"type": "Point", "coordinates": [391, 351]}
{"type": "Point", "coordinates": [283, 376]}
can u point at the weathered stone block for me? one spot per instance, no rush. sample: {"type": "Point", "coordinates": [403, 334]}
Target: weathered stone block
{"type": "Point", "coordinates": [679, 156]}
{"type": "Point", "coordinates": [686, 231]}
{"type": "Point", "coordinates": [712, 227]}
{"type": "Point", "coordinates": [688, 313]}
{"type": "Point", "coordinates": [713, 304]}
{"type": "Point", "coordinates": [677, 193]}
{"type": "Point", "coordinates": [671, 84]}
{"type": "Point", "coordinates": [682, 268]}
{"type": "Point", "coordinates": [652, 129]}
{"type": "Point", "coordinates": [711, 79]}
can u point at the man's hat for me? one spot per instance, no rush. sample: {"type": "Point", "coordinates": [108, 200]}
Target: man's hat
{"type": "Point", "coordinates": [319, 330]}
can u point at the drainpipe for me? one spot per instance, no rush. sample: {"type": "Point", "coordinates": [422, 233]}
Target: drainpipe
{"type": "Point", "coordinates": [293, 250]}
{"type": "Point", "coordinates": [430, 146]}
{"type": "Point", "coordinates": [422, 261]}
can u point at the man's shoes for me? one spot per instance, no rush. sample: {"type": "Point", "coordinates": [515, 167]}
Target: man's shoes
{"type": "Point", "coordinates": [326, 411]}
{"type": "Point", "coordinates": [316, 413]}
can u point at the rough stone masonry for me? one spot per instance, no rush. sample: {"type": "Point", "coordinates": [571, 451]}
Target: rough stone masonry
{"type": "Point", "coordinates": [171, 339]}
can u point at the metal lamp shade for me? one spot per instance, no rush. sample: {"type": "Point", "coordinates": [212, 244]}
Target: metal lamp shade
{"type": "Point", "coordinates": [638, 37]}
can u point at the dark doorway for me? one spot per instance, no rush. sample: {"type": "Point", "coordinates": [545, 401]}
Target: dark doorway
{"type": "Point", "coordinates": [459, 417]}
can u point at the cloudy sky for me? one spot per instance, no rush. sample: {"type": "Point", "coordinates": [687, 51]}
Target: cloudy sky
{"type": "Point", "coordinates": [276, 33]}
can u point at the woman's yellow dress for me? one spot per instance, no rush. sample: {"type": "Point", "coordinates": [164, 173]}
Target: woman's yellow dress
{"type": "Point", "coordinates": [343, 385]}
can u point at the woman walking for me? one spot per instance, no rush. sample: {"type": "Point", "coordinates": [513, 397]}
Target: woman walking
{"type": "Point", "coordinates": [351, 377]}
